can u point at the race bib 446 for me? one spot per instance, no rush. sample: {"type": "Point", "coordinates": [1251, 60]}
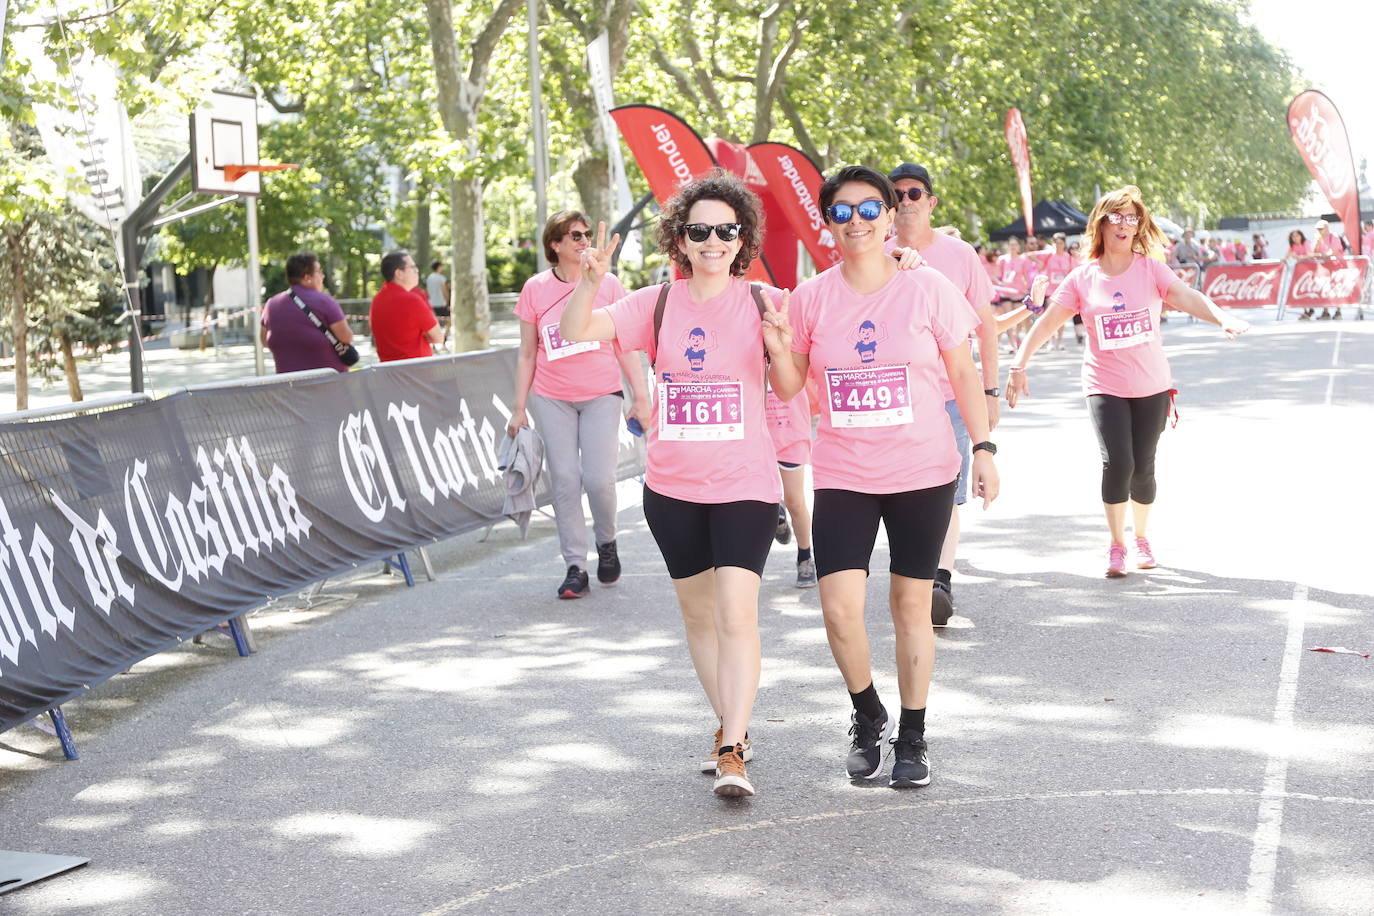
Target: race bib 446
{"type": "Point", "coordinates": [1119, 330]}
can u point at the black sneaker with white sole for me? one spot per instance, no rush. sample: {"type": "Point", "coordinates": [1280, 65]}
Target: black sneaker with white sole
{"type": "Point", "coordinates": [866, 748]}
{"type": "Point", "coordinates": [941, 603]}
{"type": "Point", "coordinates": [575, 584]}
{"type": "Point", "coordinates": [912, 766]}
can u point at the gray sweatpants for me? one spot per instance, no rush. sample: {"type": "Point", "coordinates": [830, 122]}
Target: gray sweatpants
{"type": "Point", "coordinates": [581, 442]}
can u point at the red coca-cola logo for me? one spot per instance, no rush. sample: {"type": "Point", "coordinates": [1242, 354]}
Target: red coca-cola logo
{"type": "Point", "coordinates": [1250, 286]}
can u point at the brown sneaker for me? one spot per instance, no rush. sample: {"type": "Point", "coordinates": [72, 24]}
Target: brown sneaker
{"type": "Point", "coordinates": [708, 763]}
{"type": "Point", "coordinates": [731, 779]}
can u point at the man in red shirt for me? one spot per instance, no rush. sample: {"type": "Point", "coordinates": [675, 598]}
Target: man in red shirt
{"type": "Point", "coordinates": [403, 324]}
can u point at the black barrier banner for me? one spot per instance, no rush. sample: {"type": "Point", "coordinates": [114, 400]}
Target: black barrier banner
{"type": "Point", "coordinates": [125, 532]}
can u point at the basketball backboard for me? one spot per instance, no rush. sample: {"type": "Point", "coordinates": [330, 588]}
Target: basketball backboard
{"type": "Point", "coordinates": [224, 131]}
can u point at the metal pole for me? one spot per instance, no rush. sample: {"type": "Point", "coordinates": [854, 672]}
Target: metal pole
{"type": "Point", "coordinates": [255, 286]}
{"type": "Point", "coordinates": [541, 150]}
{"type": "Point", "coordinates": [134, 296]}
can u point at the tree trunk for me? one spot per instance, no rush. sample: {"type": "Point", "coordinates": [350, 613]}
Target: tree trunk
{"type": "Point", "coordinates": [593, 180]}
{"type": "Point", "coordinates": [69, 365]}
{"type": "Point", "coordinates": [20, 297]}
{"type": "Point", "coordinates": [471, 307]}
{"type": "Point", "coordinates": [423, 244]}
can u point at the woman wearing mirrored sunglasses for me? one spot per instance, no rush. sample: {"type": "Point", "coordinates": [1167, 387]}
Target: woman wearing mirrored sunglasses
{"type": "Point", "coordinates": [711, 485]}
{"type": "Point", "coordinates": [575, 394]}
{"type": "Point", "coordinates": [884, 453]}
{"type": "Point", "coordinates": [1120, 290]}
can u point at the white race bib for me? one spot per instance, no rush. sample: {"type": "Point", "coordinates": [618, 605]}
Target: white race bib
{"type": "Point", "coordinates": [1120, 330]}
{"type": "Point", "coordinates": [704, 412]}
{"type": "Point", "coordinates": [555, 347]}
{"type": "Point", "coordinates": [869, 396]}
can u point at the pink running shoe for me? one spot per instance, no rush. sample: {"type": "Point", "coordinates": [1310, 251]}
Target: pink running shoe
{"type": "Point", "coordinates": [1144, 557]}
{"type": "Point", "coordinates": [1116, 562]}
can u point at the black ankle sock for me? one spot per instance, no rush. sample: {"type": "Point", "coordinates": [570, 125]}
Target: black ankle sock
{"type": "Point", "coordinates": [942, 575]}
{"type": "Point", "coordinates": [866, 701]}
{"type": "Point", "coordinates": [913, 719]}
{"type": "Point", "coordinates": [803, 553]}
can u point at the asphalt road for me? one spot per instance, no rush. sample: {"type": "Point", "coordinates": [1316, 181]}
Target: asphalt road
{"type": "Point", "coordinates": [1159, 744]}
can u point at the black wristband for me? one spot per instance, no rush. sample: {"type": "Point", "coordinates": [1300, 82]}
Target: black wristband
{"type": "Point", "coordinates": [984, 447]}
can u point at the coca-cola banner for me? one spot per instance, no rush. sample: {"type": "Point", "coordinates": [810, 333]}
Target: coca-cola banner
{"type": "Point", "coordinates": [124, 532]}
{"type": "Point", "coordinates": [1323, 283]}
{"type": "Point", "coordinates": [1188, 273]}
{"type": "Point", "coordinates": [669, 153]}
{"type": "Point", "coordinates": [1249, 285]}
{"type": "Point", "coordinates": [1319, 134]}
{"type": "Point", "coordinates": [1019, 145]}
{"type": "Point", "coordinates": [796, 185]}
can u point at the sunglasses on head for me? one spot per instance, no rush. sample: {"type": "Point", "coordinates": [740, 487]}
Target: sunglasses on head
{"type": "Point", "coordinates": [913, 193]}
{"type": "Point", "coordinates": [577, 235]}
{"type": "Point", "coordinates": [700, 232]}
{"type": "Point", "coordinates": [843, 213]}
{"type": "Point", "coordinates": [1130, 219]}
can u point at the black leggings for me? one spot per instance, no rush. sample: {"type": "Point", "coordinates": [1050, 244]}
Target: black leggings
{"type": "Point", "coordinates": [1128, 431]}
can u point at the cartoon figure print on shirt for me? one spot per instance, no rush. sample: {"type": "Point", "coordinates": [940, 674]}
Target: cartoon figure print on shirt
{"type": "Point", "coordinates": [1123, 326]}
{"type": "Point", "coordinates": [696, 348]}
{"type": "Point", "coordinates": [866, 340]}
{"type": "Point", "coordinates": [872, 394]}
{"type": "Point", "coordinates": [694, 405]}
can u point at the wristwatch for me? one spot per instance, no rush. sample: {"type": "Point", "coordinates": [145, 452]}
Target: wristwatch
{"type": "Point", "coordinates": [992, 392]}
{"type": "Point", "coordinates": [985, 447]}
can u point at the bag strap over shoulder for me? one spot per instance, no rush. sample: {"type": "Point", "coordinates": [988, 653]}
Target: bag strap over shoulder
{"type": "Point", "coordinates": [658, 314]}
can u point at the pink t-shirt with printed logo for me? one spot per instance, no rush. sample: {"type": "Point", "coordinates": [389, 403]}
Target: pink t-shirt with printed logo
{"type": "Point", "coordinates": [956, 260]}
{"type": "Point", "coordinates": [1057, 267]}
{"type": "Point", "coordinates": [708, 441]}
{"type": "Point", "coordinates": [1014, 275]}
{"type": "Point", "coordinates": [789, 423]}
{"type": "Point", "coordinates": [566, 370]}
{"type": "Point", "coordinates": [1125, 355]}
{"type": "Point", "coordinates": [876, 362]}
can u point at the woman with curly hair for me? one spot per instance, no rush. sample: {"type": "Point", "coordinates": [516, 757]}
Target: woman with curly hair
{"type": "Point", "coordinates": [1120, 290]}
{"type": "Point", "coordinates": [710, 487]}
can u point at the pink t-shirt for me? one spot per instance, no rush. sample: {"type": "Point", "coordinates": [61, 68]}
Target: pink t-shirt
{"type": "Point", "coordinates": [956, 260]}
{"type": "Point", "coordinates": [1125, 356]}
{"type": "Point", "coordinates": [709, 439]}
{"type": "Point", "coordinates": [1014, 275]}
{"type": "Point", "coordinates": [1299, 250]}
{"type": "Point", "coordinates": [1329, 245]}
{"type": "Point", "coordinates": [876, 362]}
{"type": "Point", "coordinates": [789, 422]}
{"type": "Point", "coordinates": [563, 369]}
{"type": "Point", "coordinates": [1367, 243]}
{"type": "Point", "coordinates": [1057, 267]}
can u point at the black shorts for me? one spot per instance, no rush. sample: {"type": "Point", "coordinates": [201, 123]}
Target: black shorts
{"type": "Point", "coordinates": [440, 311]}
{"type": "Point", "coordinates": [844, 526]}
{"type": "Point", "coordinates": [695, 537]}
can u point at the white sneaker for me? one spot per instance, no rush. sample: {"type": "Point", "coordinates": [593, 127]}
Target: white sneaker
{"type": "Point", "coordinates": [732, 780]}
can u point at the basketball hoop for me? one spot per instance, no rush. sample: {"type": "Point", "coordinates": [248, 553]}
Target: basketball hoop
{"type": "Point", "coordinates": [235, 172]}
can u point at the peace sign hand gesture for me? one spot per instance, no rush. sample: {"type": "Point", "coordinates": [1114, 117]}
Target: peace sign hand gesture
{"type": "Point", "coordinates": [596, 262]}
{"type": "Point", "coordinates": [777, 331]}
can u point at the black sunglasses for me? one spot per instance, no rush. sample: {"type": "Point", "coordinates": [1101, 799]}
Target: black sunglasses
{"type": "Point", "coordinates": [913, 193]}
{"type": "Point", "coordinates": [577, 235]}
{"type": "Point", "coordinates": [700, 232]}
{"type": "Point", "coordinates": [843, 213]}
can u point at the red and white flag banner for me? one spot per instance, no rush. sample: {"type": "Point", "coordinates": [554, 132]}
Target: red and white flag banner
{"type": "Point", "coordinates": [669, 153]}
{"type": "Point", "coordinates": [1323, 283]}
{"type": "Point", "coordinates": [1243, 286]}
{"type": "Point", "coordinates": [1319, 133]}
{"type": "Point", "coordinates": [1019, 145]}
{"type": "Point", "coordinates": [796, 185]}
{"type": "Point", "coordinates": [1188, 273]}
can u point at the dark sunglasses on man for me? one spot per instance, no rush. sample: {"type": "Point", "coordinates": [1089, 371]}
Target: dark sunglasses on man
{"type": "Point", "coordinates": [700, 232]}
{"type": "Point", "coordinates": [843, 213]}
{"type": "Point", "coordinates": [913, 193]}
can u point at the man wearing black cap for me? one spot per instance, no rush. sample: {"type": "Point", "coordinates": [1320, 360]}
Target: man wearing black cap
{"type": "Point", "coordinates": [961, 265]}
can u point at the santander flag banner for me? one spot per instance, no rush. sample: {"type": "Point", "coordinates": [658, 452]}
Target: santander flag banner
{"type": "Point", "coordinates": [668, 151]}
{"type": "Point", "coordinates": [1243, 286]}
{"type": "Point", "coordinates": [796, 185]}
{"type": "Point", "coordinates": [1324, 283]}
{"type": "Point", "coordinates": [1319, 134]}
{"type": "Point", "coordinates": [1015, 130]}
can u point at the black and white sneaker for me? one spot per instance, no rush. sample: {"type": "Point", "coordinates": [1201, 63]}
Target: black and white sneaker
{"type": "Point", "coordinates": [784, 532]}
{"type": "Point", "coordinates": [607, 563]}
{"type": "Point", "coordinates": [912, 766]}
{"type": "Point", "coordinates": [866, 749]}
{"type": "Point", "coordinates": [941, 603]}
{"type": "Point", "coordinates": [575, 584]}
